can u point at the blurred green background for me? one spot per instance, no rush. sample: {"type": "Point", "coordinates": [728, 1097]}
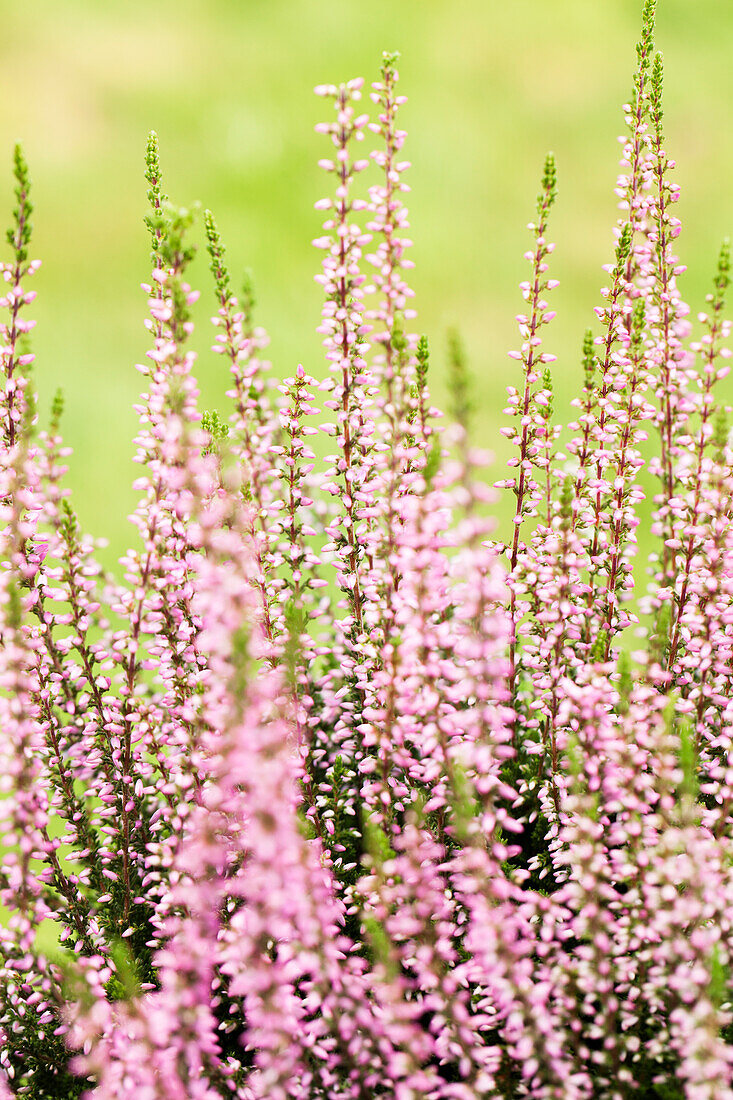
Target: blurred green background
{"type": "Point", "coordinates": [228, 86]}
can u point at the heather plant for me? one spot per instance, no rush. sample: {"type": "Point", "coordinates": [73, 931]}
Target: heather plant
{"type": "Point", "coordinates": [336, 791]}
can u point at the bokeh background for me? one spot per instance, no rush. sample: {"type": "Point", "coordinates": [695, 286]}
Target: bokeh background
{"type": "Point", "coordinates": [492, 85]}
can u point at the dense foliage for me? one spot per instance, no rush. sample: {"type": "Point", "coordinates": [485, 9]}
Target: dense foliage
{"type": "Point", "coordinates": [333, 794]}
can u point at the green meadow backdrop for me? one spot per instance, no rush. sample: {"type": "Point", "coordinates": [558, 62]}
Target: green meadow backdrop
{"type": "Point", "coordinates": [492, 85]}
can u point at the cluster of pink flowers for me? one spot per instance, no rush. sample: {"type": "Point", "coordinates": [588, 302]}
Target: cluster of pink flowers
{"type": "Point", "coordinates": [332, 792]}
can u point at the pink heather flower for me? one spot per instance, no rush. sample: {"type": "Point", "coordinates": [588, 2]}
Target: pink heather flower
{"type": "Point", "coordinates": [330, 793]}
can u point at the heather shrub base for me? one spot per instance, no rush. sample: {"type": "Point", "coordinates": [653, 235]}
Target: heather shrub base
{"type": "Point", "coordinates": [333, 793]}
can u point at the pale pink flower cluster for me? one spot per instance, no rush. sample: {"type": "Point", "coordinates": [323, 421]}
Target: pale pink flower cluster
{"type": "Point", "coordinates": [331, 794]}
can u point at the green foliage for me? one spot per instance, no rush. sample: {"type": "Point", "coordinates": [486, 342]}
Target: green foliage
{"type": "Point", "coordinates": [43, 1069]}
{"type": "Point", "coordinates": [124, 985]}
{"type": "Point", "coordinates": [380, 945]}
{"type": "Point", "coordinates": [376, 842]}
{"type": "Point", "coordinates": [659, 639]}
{"type": "Point", "coordinates": [625, 682]}
{"type": "Point", "coordinates": [719, 989]}
{"type": "Point", "coordinates": [340, 788]}
{"type": "Point", "coordinates": [243, 668]}
{"type": "Point", "coordinates": [432, 463]}
{"type": "Point", "coordinates": [464, 805]}
{"type": "Point", "coordinates": [14, 613]}
{"type": "Point", "coordinates": [689, 787]}
{"type": "Point", "coordinates": [296, 620]}
{"type": "Point", "coordinates": [576, 766]}
{"type": "Point", "coordinates": [378, 852]}
{"type": "Point", "coordinates": [358, 842]}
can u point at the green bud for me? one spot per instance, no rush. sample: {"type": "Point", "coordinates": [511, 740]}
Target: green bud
{"type": "Point", "coordinates": [69, 522]}
{"type": "Point", "coordinates": [155, 194]}
{"type": "Point", "coordinates": [638, 319]}
{"type": "Point", "coordinates": [423, 361]}
{"type": "Point", "coordinates": [722, 278]}
{"type": "Point", "coordinates": [548, 194]}
{"type": "Point", "coordinates": [657, 86]}
{"type": "Point", "coordinates": [598, 649]}
{"type": "Point", "coordinates": [216, 252]}
{"type": "Point", "coordinates": [57, 410]}
{"type": "Point", "coordinates": [173, 250]}
{"type": "Point", "coordinates": [546, 410]}
{"type": "Point", "coordinates": [566, 502]}
{"type": "Point", "coordinates": [432, 464]}
{"type": "Point", "coordinates": [30, 410]}
{"type": "Point", "coordinates": [644, 49]}
{"type": "Point", "coordinates": [589, 360]}
{"type": "Point", "coordinates": [390, 61]}
{"type": "Point", "coordinates": [623, 248]}
{"type": "Point", "coordinates": [397, 336]}
{"type": "Point", "coordinates": [646, 43]}
{"type": "Point", "coordinates": [217, 428]}
{"type": "Point", "coordinates": [247, 299]}
{"type": "Point", "coordinates": [720, 433]}
{"type": "Point", "coordinates": [19, 234]}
